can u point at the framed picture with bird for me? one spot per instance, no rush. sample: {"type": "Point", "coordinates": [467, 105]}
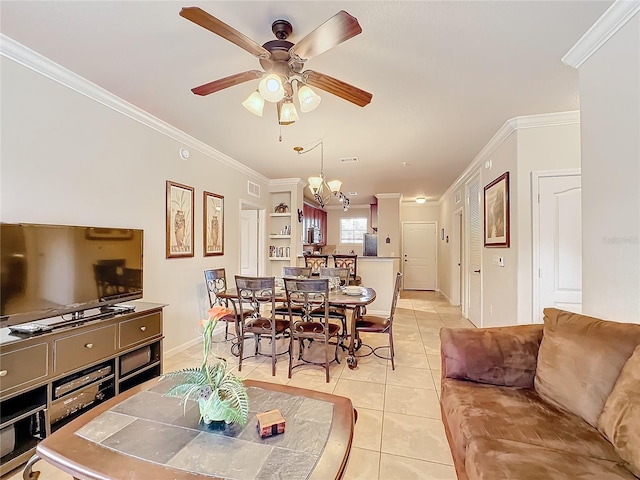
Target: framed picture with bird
{"type": "Point", "coordinates": [179, 220]}
{"type": "Point", "coordinates": [213, 228]}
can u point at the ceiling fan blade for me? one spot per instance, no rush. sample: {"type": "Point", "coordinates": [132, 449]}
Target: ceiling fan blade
{"type": "Point", "coordinates": [211, 23]}
{"type": "Point", "coordinates": [337, 29]}
{"type": "Point", "coordinates": [337, 87]}
{"type": "Point", "coordinates": [226, 82]}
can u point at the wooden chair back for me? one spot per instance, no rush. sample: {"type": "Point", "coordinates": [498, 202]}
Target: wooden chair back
{"type": "Point", "coordinates": [316, 262]}
{"type": "Point", "coordinates": [347, 261]}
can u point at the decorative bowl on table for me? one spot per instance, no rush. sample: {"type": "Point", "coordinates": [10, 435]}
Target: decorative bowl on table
{"type": "Point", "coordinates": [353, 290]}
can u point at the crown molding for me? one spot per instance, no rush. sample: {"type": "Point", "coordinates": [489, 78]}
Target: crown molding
{"type": "Point", "coordinates": [388, 195]}
{"type": "Point", "coordinates": [571, 117]}
{"type": "Point", "coordinates": [44, 66]}
{"type": "Point", "coordinates": [616, 16]}
{"type": "Point", "coordinates": [284, 182]}
{"type": "Point", "coordinates": [513, 124]}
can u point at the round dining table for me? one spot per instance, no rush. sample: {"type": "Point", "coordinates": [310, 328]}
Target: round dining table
{"type": "Point", "coordinates": [337, 298]}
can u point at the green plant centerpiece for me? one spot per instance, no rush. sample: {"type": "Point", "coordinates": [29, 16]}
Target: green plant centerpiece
{"type": "Point", "coordinates": [221, 395]}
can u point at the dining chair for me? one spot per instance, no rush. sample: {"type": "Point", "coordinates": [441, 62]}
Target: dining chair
{"type": "Point", "coordinates": [316, 262]}
{"type": "Point", "coordinates": [375, 324]}
{"type": "Point", "coordinates": [294, 272]}
{"type": "Point", "coordinates": [349, 261]}
{"type": "Point", "coordinates": [310, 295]}
{"type": "Point", "coordinates": [254, 293]}
{"type": "Point", "coordinates": [216, 282]}
{"type": "Point", "coordinates": [343, 273]}
{"type": "Point", "coordinates": [335, 313]}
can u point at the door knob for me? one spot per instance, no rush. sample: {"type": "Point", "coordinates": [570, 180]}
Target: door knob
{"type": "Point", "coordinates": [476, 271]}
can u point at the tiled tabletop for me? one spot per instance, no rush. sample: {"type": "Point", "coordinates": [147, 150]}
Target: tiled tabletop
{"type": "Point", "coordinates": [155, 428]}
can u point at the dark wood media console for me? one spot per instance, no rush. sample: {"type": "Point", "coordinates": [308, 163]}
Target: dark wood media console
{"type": "Point", "coordinates": [48, 379]}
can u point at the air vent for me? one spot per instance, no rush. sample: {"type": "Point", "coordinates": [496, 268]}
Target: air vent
{"type": "Point", "coordinates": [348, 159]}
{"type": "Point", "coordinates": [253, 189]}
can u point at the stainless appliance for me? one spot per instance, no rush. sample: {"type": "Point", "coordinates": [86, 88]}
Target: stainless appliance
{"type": "Point", "coordinates": [370, 245]}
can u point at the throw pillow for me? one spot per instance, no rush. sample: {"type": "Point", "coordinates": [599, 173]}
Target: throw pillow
{"type": "Point", "coordinates": [620, 419]}
{"type": "Point", "coordinates": [498, 356]}
{"type": "Point", "coordinates": [580, 359]}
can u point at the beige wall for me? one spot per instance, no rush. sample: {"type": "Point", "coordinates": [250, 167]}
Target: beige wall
{"type": "Point", "coordinates": [521, 149]}
{"type": "Point", "coordinates": [67, 159]}
{"type": "Point", "coordinates": [389, 224]}
{"type": "Point", "coordinates": [499, 295]}
{"type": "Point", "coordinates": [610, 104]}
{"type": "Point", "coordinates": [539, 149]}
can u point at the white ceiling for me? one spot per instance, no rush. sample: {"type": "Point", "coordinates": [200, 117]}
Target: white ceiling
{"type": "Point", "coordinates": [444, 75]}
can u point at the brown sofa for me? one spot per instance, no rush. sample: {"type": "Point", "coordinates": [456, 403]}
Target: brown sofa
{"type": "Point", "coordinates": [550, 402]}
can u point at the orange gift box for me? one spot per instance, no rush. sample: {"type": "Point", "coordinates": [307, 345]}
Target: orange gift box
{"type": "Point", "coordinates": [270, 423]}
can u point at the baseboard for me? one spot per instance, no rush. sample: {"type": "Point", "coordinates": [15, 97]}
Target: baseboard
{"type": "Point", "coordinates": [175, 350]}
{"type": "Point", "coordinates": [445, 296]}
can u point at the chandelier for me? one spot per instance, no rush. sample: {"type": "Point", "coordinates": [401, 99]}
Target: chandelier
{"type": "Point", "coordinates": [273, 89]}
{"type": "Point", "coordinates": [322, 190]}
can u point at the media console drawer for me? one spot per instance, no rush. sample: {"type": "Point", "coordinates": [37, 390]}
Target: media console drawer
{"type": "Point", "coordinates": [138, 329]}
{"type": "Point", "coordinates": [23, 366]}
{"type": "Point", "coordinates": [76, 351]}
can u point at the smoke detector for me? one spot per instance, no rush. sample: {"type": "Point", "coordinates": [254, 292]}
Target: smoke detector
{"type": "Point", "coordinates": [348, 160]}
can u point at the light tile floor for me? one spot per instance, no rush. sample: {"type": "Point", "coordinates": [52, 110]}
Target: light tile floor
{"type": "Point", "coordinates": [399, 434]}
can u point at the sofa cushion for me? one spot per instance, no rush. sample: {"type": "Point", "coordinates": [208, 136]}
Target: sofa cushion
{"type": "Point", "coordinates": [495, 459]}
{"type": "Point", "coordinates": [499, 356]}
{"type": "Point", "coordinates": [620, 419]}
{"type": "Point", "coordinates": [473, 410]}
{"type": "Point", "coordinates": [580, 359]}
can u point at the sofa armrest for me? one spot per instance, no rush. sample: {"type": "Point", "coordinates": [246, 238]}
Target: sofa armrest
{"type": "Point", "coordinates": [498, 356]}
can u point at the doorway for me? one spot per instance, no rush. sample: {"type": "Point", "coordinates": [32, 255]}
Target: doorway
{"type": "Point", "coordinates": [251, 239]}
{"type": "Point", "coordinates": [419, 243]}
{"type": "Point", "coordinates": [557, 241]}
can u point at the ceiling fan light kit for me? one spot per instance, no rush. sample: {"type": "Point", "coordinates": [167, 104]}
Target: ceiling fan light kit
{"type": "Point", "coordinates": [271, 88]}
{"type": "Point", "coordinates": [309, 100]}
{"type": "Point", "coordinates": [254, 103]}
{"type": "Point", "coordinates": [288, 113]}
{"type": "Point", "coordinates": [282, 62]}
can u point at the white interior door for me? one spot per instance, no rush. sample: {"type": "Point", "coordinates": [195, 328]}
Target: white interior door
{"type": "Point", "coordinates": [474, 249]}
{"type": "Point", "coordinates": [559, 244]}
{"type": "Point", "coordinates": [419, 241]}
{"type": "Point", "coordinates": [249, 243]}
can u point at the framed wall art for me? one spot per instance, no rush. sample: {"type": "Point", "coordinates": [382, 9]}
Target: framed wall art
{"type": "Point", "coordinates": [179, 220]}
{"type": "Point", "coordinates": [213, 227]}
{"type": "Point", "coordinates": [496, 212]}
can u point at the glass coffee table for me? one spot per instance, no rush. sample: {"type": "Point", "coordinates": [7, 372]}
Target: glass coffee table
{"type": "Point", "coordinates": [141, 434]}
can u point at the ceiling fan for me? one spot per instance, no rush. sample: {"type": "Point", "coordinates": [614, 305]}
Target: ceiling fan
{"type": "Point", "coordinates": [283, 62]}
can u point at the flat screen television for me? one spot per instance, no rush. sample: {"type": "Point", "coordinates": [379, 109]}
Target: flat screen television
{"type": "Point", "coordinates": [53, 270]}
